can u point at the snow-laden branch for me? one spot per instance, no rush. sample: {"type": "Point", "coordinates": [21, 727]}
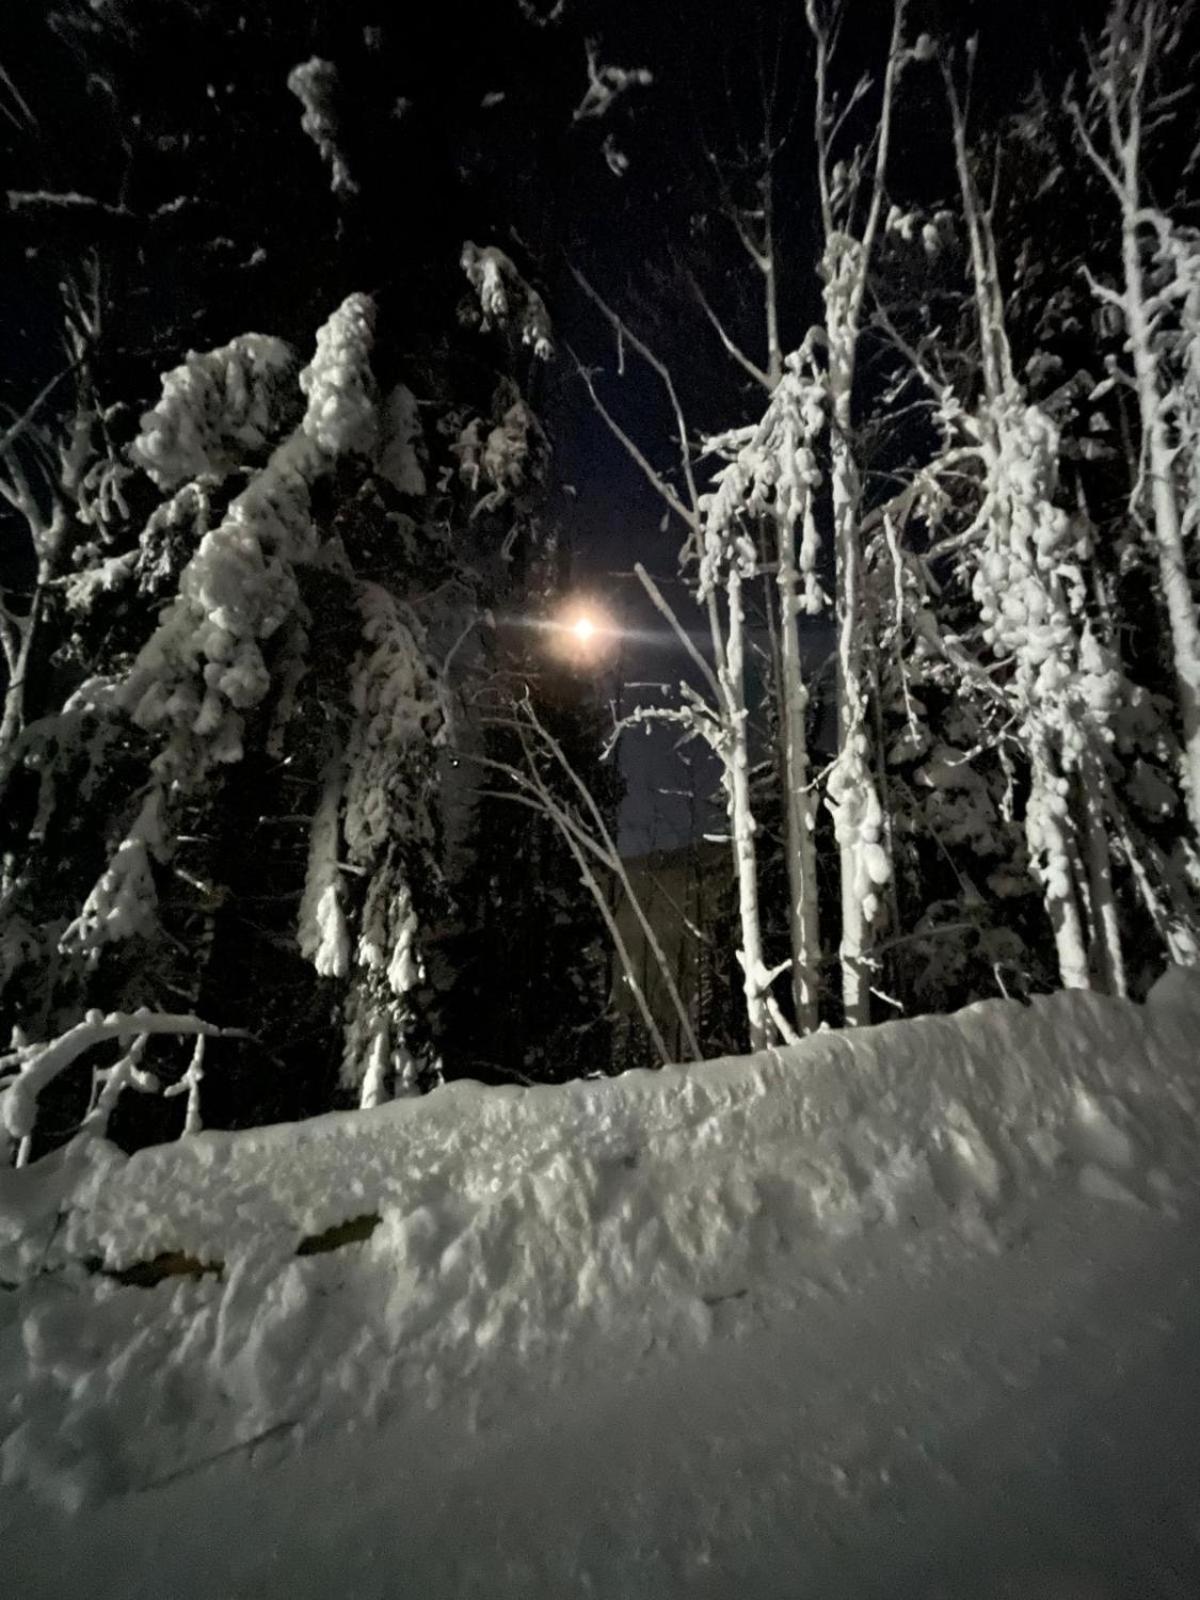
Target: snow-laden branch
{"type": "Point", "coordinates": [38, 1065]}
{"type": "Point", "coordinates": [505, 297]}
{"type": "Point", "coordinates": [315, 85]}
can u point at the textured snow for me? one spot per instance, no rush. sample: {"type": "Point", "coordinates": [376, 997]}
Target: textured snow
{"type": "Point", "coordinates": [505, 298]}
{"type": "Point", "coordinates": [528, 1238]}
{"type": "Point", "coordinates": [215, 409]}
{"type": "Point", "coordinates": [315, 85]}
{"type": "Point", "coordinates": [203, 667]}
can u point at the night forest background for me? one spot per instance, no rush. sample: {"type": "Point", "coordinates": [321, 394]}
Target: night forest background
{"type": "Point", "coordinates": [164, 196]}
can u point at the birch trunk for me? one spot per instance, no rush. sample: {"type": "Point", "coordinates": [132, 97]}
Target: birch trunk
{"type": "Point", "coordinates": [13, 719]}
{"type": "Point", "coordinates": [741, 818]}
{"type": "Point", "coordinates": [856, 928]}
{"type": "Point", "coordinates": [803, 918]}
{"type": "Point", "coordinates": [1051, 850]}
{"type": "Point", "coordinates": [1168, 521]}
{"type": "Point", "coordinates": [1106, 927]}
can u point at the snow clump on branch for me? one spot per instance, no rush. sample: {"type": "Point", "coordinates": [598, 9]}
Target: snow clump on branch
{"type": "Point", "coordinates": [204, 666]}
{"type": "Point", "coordinates": [315, 85]}
{"type": "Point", "coordinates": [215, 409]}
{"type": "Point", "coordinates": [123, 902]}
{"type": "Point", "coordinates": [505, 297]}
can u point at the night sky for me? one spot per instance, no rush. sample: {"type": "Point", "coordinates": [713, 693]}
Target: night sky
{"type": "Point", "coordinates": [464, 124]}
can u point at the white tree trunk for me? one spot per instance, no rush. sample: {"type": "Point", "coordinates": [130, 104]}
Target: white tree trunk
{"type": "Point", "coordinates": [803, 916]}
{"type": "Point", "coordinates": [856, 928]}
{"type": "Point", "coordinates": [1168, 526]}
{"type": "Point", "coordinates": [1053, 856]}
{"type": "Point", "coordinates": [741, 819]}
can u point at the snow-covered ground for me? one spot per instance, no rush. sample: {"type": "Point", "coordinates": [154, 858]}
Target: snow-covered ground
{"type": "Point", "coordinates": [912, 1311]}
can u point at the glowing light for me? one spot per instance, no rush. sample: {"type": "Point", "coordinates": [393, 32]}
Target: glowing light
{"type": "Point", "coordinates": [584, 633]}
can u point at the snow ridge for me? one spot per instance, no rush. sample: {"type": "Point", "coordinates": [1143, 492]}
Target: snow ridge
{"type": "Point", "coordinates": [523, 1236]}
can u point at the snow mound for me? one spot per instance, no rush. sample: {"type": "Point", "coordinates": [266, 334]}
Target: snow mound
{"type": "Point", "coordinates": [463, 1249]}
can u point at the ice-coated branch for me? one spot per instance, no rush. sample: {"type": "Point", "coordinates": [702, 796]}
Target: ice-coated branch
{"type": "Point", "coordinates": [547, 742]}
{"type": "Point", "coordinates": [663, 607]}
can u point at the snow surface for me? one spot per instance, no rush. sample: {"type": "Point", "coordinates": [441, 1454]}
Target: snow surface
{"type": "Point", "coordinates": [908, 1310]}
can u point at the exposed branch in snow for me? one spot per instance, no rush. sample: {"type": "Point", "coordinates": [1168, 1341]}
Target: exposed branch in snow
{"type": "Point", "coordinates": [39, 1064]}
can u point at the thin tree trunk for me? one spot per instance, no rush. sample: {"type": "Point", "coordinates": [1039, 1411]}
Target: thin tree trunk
{"type": "Point", "coordinates": [1105, 922]}
{"type": "Point", "coordinates": [803, 911]}
{"type": "Point", "coordinates": [1168, 529]}
{"type": "Point", "coordinates": [1046, 833]}
{"type": "Point", "coordinates": [856, 930]}
{"type": "Point", "coordinates": [741, 819]}
{"type": "Point", "coordinates": [594, 886]}
{"type": "Point", "coordinates": [13, 720]}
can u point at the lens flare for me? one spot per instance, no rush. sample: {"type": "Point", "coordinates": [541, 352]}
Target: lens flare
{"type": "Point", "coordinates": [584, 633]}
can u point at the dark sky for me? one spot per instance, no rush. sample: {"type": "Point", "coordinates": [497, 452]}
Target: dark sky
{"type": "Point", "coordinates": [425, 124]}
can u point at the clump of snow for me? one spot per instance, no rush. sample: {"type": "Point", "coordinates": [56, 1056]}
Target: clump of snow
{"type": "Point", "coordinates": [397, 709]}
{"type": "Point", "coordinates": [216, 409]}
{"type": "Point", "coordinates": [505, 297]}
{"type": "Point", "coordinates": [321, 929]}
{"type": "Point", "coordinates": [606, 85]}
{"type": "Point", "coordinates": [203, 667]}
{"type": "Point", "coordinates": [517, 1238]}
{"type": "Point", "coordinates": [500, 461]}
{"type": "Point", "coordinates": [338, 382]}
{"type": "Point", "coordinates": [397, 462]}
{"type": "Point", "coordinates": [315, 85]}
{"type": "Point", "coordinates": [83, 588]}
{"type": "Point", "coordinates": [124, 902]}
{"type": "Point", "coordinates": [858, 820]}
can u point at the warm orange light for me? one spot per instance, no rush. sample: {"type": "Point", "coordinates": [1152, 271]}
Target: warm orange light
{"type": "Point", "coordinates": [585, 633]}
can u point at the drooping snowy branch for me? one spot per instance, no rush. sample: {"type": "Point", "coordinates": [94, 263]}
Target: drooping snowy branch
{"type": "Point", "coordinates": [315, 85]}
{"type": "Point", "coordinates": [506, 299]}
{"type": "Point", "coordinates": [203, 668]}
{"type": "Point", "coordinates": [321, 928]}
{"type": "Point", "coordinates": [216, 411]}
{"type": "Point", "coordinates": [124, 902]}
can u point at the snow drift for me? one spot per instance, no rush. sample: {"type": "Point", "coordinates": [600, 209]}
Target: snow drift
{"type": "Point", "coordinates": [465, 1249]}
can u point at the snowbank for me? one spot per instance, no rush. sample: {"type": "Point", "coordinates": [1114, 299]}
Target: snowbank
{"type": "Point", "coordinates": [513, 1239]}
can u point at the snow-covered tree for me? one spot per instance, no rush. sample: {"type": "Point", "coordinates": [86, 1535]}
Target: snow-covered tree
{"type": "Point", "coordinates": [1128, 103]}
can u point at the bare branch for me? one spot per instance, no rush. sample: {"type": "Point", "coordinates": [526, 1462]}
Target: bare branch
{"type": "Point", "coordinates": [663, 606]}
{"type": "Point", "coordinates": [743, 360]}
{"type": "Point", "coordinates": [621, 328]}
{"type": "Point", "coordinates": [656, 480]}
